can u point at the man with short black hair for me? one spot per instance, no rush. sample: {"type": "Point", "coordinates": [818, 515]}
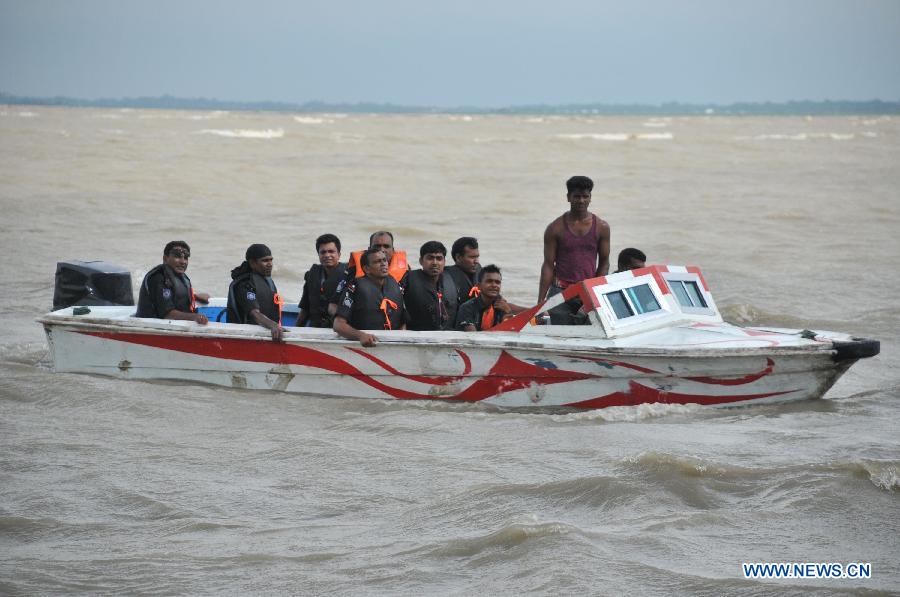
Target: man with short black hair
{"type": "Point", "coordinates": [576, 247]}
{"type": "Point", "coordinates": [320, 283]}
{"type": "Point", "coordinates": [372, 302]}
{"type": "Point", "coordinates": [252, 295]}
{"type": "Point", "coordinates": [488, 308]}
{"type": "Point", "coordinates": [430, 295]}
{"type": "Point", "coordinates": [465, 269]}
{"type": "Point", "coordinates": [631, 258]}
{"type": "Point", "coordinates": [166, 292]}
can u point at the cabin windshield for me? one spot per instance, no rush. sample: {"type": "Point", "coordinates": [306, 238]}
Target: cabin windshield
{"type": "Point", "coordinates": [688, 293]}
{"type": "Point", "coordinates": [635, 300]}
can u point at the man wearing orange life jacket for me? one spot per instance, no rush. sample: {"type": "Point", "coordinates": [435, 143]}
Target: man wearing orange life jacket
{"type": "Point", "coordinates": [252, 295]}
{"type": "Point", "coordinates": [398, 266]}
{"type": "Point", "coordinates": [373, 302]}
{"type": "Point", "coordinates": [465, 270]}
{"type": "Point", "coordinates": [488, 308]}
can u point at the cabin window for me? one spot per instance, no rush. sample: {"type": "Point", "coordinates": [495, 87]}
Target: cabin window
{"type": "Point", "coordinates": [629, 302]}
{"type": "Point", "coordinates": [642, 298]}
{"type": "Point", "coordinates": [619, 304]}
{"type": "Point", "coordinates": [688, 293]}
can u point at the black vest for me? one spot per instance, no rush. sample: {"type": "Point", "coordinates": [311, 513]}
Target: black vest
{"type": "Point", "coordinates": [422, 302]}
{"type": "Point", "coordinates": [179, 285]}
{"type": "Point", "coordinates": [318, 288]}
{"type": "Point", "coordinates": [463, 282]}
{"type": "Point", "coordinates": [367, 297]}
{"type": "Point", "coordinates": [265, 296]}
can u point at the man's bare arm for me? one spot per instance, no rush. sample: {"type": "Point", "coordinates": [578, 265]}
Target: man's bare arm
{"type": "Point", "coordinates": [345, 330]}
{"type": "Point", "coordinates": [548, 268]}
{"type": "Point", "coordinates": [275, 328]}
{"type": "Point", "coordinates": [603, 249]}
{"type": "Point", "coordinates": [182, 316]}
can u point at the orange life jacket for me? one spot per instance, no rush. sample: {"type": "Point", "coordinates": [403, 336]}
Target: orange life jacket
{"type": "Point", "coordinates": [397, 268]}
{"type": "Point", "coordinates": [487, 319]}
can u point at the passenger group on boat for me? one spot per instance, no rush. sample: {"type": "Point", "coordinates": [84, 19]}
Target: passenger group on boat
{"type": "Point", "coordinates": [376, 289]}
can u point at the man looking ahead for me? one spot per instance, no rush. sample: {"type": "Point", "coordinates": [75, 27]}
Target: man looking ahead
{"type": "Point", "coordinates": [576, 247]}
{"type": "Point", "coordinates": [320, 283]}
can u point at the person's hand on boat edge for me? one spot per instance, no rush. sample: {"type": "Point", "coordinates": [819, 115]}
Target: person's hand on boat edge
{"type": "Point", "coordinates": [202, 297]}
{"type": "Point", "coordinates": [278, 333]}
{"type": "Point", "coordinates": [367, 340]}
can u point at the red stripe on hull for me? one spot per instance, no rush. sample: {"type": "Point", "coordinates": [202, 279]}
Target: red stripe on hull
{"type": "Point", "coordinates": [640, 394]}
{"type": "Point", "coordinates": [506, 375]}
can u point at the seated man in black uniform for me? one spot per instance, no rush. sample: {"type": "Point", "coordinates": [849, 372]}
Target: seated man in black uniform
{"type": "Point", "coordinates": [252, 295]}
{"type": "Point", "coordinates": [320, 283]}
{"type": "Point", "coordinates": [488, 308]}
{"type": "Point", "coordinates": [465, 269]}
{"type": "Point", "coordinates": [166, 292]}
{"type": "Point", "coordinates": [372, 302]}
{"type": "Point", "coordinates": [430, 294]}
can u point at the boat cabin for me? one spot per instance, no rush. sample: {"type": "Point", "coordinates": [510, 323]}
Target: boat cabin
{"type": "Point", "coordinates": [632, 302]}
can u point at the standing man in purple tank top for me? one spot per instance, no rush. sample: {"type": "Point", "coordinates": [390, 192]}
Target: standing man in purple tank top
{"type": "Point", "coordinates": [576, 247]}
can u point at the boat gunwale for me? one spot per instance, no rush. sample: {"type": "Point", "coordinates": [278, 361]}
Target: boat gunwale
{"type": "Point", "coordinates": [487, 340]}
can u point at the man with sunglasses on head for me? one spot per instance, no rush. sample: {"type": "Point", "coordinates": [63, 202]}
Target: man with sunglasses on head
{"type": "Point", "coordinates": [166, 292]}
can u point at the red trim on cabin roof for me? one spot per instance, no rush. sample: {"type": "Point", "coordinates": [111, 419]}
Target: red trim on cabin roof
{"type": "Point", "coordinates": [696, 270]}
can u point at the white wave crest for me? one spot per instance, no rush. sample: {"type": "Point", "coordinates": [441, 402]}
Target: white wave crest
{"type": "Point", "coordinates": [869, 134]}
{"type": "Point", "coordinates": [800, 137]}
{"type": "Point", "coordinates": [208, 115]}
{"type": "Point", "coordinates": [656, 124]}
{"type": "Point", "coordinates": [28, 114]}
{"type": "Point", "coordinates": [312, 120]}
{"type": "Point", "coordinates": [883, 475]}
{"type": "Point", "coordinates": [597, 136]}
{"type": "Point", "coordinates": [348, 138]}
{"type": "Point", "coordinates": [656, 136]}
{"type": "Point", "coordinates": [631, 413]}
{"type": "Point", "coordinates": [244, 133]}
{"type": "Point", "coordinates": [618, 136]}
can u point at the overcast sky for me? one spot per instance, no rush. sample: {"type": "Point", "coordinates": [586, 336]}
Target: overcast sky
{"type": "Point", "coordinates": [456, 52]}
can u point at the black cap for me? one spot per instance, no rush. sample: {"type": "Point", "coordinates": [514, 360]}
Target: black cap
{"type": "Point", "coordinates": [257, 251]}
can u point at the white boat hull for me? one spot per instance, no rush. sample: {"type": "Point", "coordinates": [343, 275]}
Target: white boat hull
{"type": "Point", "coordinates": [503, 370]}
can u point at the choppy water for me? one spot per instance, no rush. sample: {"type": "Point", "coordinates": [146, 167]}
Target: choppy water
{"type": "Point", "coordinates": [109, 486]}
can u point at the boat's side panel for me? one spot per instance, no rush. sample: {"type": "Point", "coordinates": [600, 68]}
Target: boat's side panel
{"type": "Point", "coordinates": [505, 377]}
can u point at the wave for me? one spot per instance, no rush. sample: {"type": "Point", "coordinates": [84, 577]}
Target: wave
{"type": "Point", "coordinates": [883, 474]}
{"type": "Point", "coordinates": [655, 123]}
{"type": "Point", "coordinates": [244, 133]}
{"type": "Point", "coordinates": [209, 115]}
{"type": "Point", "coordinates": [312, 120]}
{"type": "Point", "coordinates": [494, 140]}
{"type": "Point", "coordinates": [348, 138]}
{"type": "Point", "coordinates": [618, 136]}
{"type": "Point", "coordinates": [803, 136]}
{"type": "Point", "coordinates": [510, 535]}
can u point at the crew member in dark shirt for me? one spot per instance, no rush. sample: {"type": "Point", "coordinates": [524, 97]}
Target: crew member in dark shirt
{"type": "Point", "coordinates": [488, 308]}
{"type": "Point", "coordinates": [166, 292]}
{"type": "Point", "coordinates": [320, 283]}
{"type": "Point", "coordinates": [430, 295]}
{"type": "Point", "coordinates": [373, 302]}
{"type": "Point", "coordinates": [252, 295]}
{"type": "Point", "coordinates": [465, 269]}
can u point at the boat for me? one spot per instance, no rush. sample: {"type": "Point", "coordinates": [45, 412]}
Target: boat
{"type": "Point", "coordinates": [653, 335]}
